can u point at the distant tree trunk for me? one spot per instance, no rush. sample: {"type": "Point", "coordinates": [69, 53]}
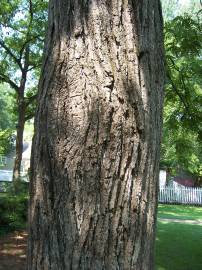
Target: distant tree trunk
{"type": "Point", "coordinates": [21, 121]}
{"type": "Point", "coordinates": [19, 140]}
{"type": "Point", "coordinates": [95, 155]}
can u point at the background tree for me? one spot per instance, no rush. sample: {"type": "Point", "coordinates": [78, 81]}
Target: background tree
{"type": "Point", "coordinates": [21, 31]}
{"type": "Point", "coordinates": [7, 103]}
{"type": "Point", "coordinates": [181, 148]}
{"type": "Point", "coordinates": [7, 119]}
{"type": "Point", "coordinates": [94, 169]}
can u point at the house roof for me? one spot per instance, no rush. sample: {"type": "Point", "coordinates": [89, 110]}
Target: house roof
{"type": "Point", "coordinates": [187, 182]}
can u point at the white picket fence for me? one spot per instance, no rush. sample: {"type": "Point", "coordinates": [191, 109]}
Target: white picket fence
{"type": "Point", "coordinates": [180, 195]}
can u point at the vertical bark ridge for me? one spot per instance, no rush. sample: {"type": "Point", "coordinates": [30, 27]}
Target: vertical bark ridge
{"type": "Point", "coordinates": [96, 149]}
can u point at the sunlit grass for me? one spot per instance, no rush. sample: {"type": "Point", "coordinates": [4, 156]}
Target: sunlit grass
{"type": "Point", "coordinates": [179, 245]}
{"type": "Point", "coordinates": [180, 212]}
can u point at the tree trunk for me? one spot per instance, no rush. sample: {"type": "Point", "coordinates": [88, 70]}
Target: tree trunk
{"type": "Point", "coordinates": [95, 156]}
{"type": "Point", "coordinates": [21, 120]}
{"type": "Point", "coordinates": [19, 139]}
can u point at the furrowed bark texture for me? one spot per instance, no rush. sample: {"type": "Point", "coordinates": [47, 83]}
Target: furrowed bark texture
{"type": "Point", "coordinates": [94, 170]}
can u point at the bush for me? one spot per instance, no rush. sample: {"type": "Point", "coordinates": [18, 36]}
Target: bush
{"type": "Point", "coordinates": [13, 211]}
{"type": "Point", "coordinates": [6, 141]}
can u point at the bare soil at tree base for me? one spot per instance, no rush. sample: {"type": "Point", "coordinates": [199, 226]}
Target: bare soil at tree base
{"type": "Point", "coordinates": [13, 251]}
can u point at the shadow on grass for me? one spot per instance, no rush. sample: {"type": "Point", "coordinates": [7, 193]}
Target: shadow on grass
{"type": "Point", "coordinates": [178, 246]}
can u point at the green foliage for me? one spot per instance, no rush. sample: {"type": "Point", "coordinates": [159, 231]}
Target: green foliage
{"type": "Point", "coordinates": [22, 27]}
{"type": "Point", "coordinates": [182, 134]}
{"type": "Point", "coordinates": [7, 119]}
{"type": "Point", "coordinates": [7, 104]}
{"type": "Point", "coordinates": [22, 30]}
{"type": "Point", "coordinates": [6, 141]}
{"type": "Point", "coordinates": [13, 210]}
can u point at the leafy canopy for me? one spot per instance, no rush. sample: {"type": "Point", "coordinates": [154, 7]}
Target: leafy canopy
{"type": "Point", "coordinates": [181, 147]}
{"type": "Point", "coordinates": [22, 30]}
{"type": "Point", "coordinates": [22, 27]}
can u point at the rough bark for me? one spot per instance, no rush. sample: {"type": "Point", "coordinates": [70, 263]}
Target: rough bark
{"type": "Point", "coordinates": [95, 158]}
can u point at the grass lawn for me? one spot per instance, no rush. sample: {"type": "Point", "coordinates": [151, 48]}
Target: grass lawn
{"type": "Point", "coordinates": [179, 212]}
{"type": "Point", "coordinates": [179, 245]}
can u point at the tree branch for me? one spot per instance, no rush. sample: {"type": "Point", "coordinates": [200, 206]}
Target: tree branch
{"type": "Point", "coordinates": [178, 93]}
{"type": "Point", "coordinates": [12, 55]}
{"type": "Point", "coordinates": [29, 116]}
{"type": "Point", "coordinates": [6, 79]}
{"type": "Point", "coordinates": [33, 66]}
{"type": "Point", "coordinates": [28, 38]}
{"type": "Point", "coordinates": [30, 100]}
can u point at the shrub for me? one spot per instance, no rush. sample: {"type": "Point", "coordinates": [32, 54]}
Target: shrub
{"type": "Point", "coordinates": [13, 211]}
